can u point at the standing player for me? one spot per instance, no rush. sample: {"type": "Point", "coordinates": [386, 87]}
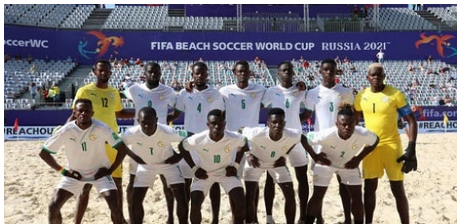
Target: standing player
{"type": "Point", "coordinates": [324, 99]}
{"type": "Point", "coordinates": [268, 144]}
{"type": "Point", "coordinates": [213, 147]}
{"type": "Point", "coordinates": [288, 97]}
{"type": "Point", "coordinates": [152, 142]}
{"type": "Point", "coordinates": [107, 105]}
{"type": "Point", "coordinates": [196, 105]}
{"type": "Point", "coordinates": [242, 98]}
{"type": "Point", "coordinates": [381, 105]}
{"type": "Point", "coordinates": [160, 97]}
{"type": "Point", "coordinates": [342, 148]}
{"type": "Point", "coordinates": [87, 163]}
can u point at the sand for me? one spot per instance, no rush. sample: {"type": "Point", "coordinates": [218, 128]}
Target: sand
{"type": "Point", "coordinates": [431, 190]}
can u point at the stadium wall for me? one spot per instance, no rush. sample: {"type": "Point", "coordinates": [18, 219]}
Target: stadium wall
{"type": "Point", "coordinates": [88, 46]}
{"type": "Point", "coordinates": [39, 124]}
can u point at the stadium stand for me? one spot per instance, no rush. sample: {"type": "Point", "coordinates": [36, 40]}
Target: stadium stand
{"type": "Point", "coordinates": [423, 85]}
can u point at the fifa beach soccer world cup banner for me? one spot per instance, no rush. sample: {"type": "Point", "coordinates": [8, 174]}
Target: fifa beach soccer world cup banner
{"type": "Point", "coordinates": [90, 45]}
{"type": "Point", "coordinates": [24, 125]}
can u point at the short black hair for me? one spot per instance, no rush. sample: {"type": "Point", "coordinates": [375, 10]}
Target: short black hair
{"type": "Point", "coordinates": [329, 61]}
{"type": "Point", "coordinates": [153, 65]}
{"type": "Point", "coordinates": [346, 109]}
{"type": "Point", "coordinates": [287, 63]}
{"type": "Point", "coordinates": [200, 64]}
{"type": "Point", "coordinates": [243, 63]}
{"type": "Point", "coordinates": [102, 61]}
{"type": "Point", "coordinates": [84, 100]}
{"type": "Point", "coordinates": [147, 110]}
{"type": "Point", "coordinates": [217, 113]}
{"type": "Point", "coordinates": [276, 111]}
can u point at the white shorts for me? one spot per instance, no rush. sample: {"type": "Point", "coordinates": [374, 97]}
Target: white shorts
{"type": "Point", "coordinates": [228, 183]}
{"type": "Point", "coordinates": [75, 186]}
{"type": "Point", "coordinates": [146, 174]}
{"type": "Point", "coordinates": [279, 174]}
{"type": "Point", "coordinates": [132, 167]}
{"type": "Point", "coordinates": [323, 175]}
{"type": "Point", "coordinates": [298, 156]}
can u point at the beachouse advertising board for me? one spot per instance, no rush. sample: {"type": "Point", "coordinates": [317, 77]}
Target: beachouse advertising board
{"type": "Point", "coordinates": [429, 119]}
{"type": "Point", "coordinates": [89, 46]}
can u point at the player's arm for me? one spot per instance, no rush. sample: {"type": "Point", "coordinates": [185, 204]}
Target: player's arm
{"type": "Point", "coordinates": [125, 114]}
{"type": "Point", "coordinates": [320, 158]}
{"type": "Point", "coordinates": [46, 156]}
{"type": "Point", "coordinates": [122, 150]}
{"type": "Point", "coordinates": [172, 116]}
{"type": "Point", "coordinates": [199, 172]}
{"type": "Point", "coordinates": [409, 157]}
{"type": "Point", "coordinates": [186, 155]}
{"type": "Point", "coordinates": [305, 115]}
{"type": "Point", "coordinates": [358, 116]}
{"type": "Point", "coordinates": [355, 161]}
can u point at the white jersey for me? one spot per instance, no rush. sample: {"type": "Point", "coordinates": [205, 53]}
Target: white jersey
{"type": "Point", "coordinates": [340, 151]}
{"type": "Point", "coordinates": [242, 106]}
{"type": "Point", "coordinates": [197, 105]}
{"type": "Point", "coordinates": [154, 149]}
{"type": "Point", "coordinates": [214, 156]}
{"type": "Point", "coordinates": [84, 149]}
{"type": "Point", "coordinates": [267, 150]}
{"type": "Point", "coordinates": [160, 98]}
{"type": "Point", "coordinates": [288, 99]}
{"type": "Point", "coordinates": [325, 102]}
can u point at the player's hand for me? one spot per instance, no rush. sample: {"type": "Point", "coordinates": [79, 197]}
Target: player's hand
{"type": "Point", "coordinates": [72, 173]}
{"type": "Point", "coordinates": [176, 157]}
{"type": "Point", "coordinates": [321, 158]}
{"type": "Point", "coordinates": [189, 86]}
{"type": "Point", "coordinates": [280, 162]}
{"type": "Point", "coordinates": [301, 86]}
{"type": "Point", "coordinates": [409, 158]}
{"type": "Point", "coordinates": [252, 160]}
{"type": "Point", "coordinates": [201, 174]}
{"type": "Point", "coordinates": [353, 163]}
{"type": "Point", "coordinates": [101, 173]}
{"type": "Point", "coordinates": [231, 171]}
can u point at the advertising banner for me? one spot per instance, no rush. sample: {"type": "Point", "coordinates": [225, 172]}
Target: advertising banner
{"type": "Point", "coordinates": [88, 46]}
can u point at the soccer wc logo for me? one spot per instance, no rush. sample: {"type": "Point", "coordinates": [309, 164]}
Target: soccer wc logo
{"type": "Point", "coordinates": [95, 44]}
{"type": "Point", "coordinates": [443, 44]}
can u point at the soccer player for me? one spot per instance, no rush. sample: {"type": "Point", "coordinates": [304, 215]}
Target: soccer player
{"type": "Point", "coordinates": [107, 106]}
{"type": "Point", "coordinates": [195, 105]}
{"type": "Point", "coordinates": [152, 142]}
{"type": "Point", "coordinates": [87, 162]}
{"type": "Point", "coordinates": [268, 144]}
{"type": "Point", "coordinates": [160, 97]}
{"type": "Point", "coordinates": [289, 98]}
{"type": "Point", "coordinates": [213, 148]}
{"type": "Point", "coordinates": [242, 98]}
{"type": "Point", "coordinates": [323, 100]}
{"type": "Point", "coordinates": [342, 149]}
{"type": "Point", "coordinates": [381, 105]}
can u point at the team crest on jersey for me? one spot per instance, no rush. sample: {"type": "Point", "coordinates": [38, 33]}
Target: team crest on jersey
{"type": "Point", "coordinates": [161, 97]}
{"type": "Point", "coordinates": [228, 149]}
{"type": "Point", "coordinates": [111, 95]}
{"type": "Point", "coordinates": [92, 137]}
{"type": "Point", "coordinates": [160, 144]}
{"type": "Point", "coordinates": [340, 97]}
{"type": "Point", "coordinates": [284, 148]}
{"type": "Point", "coordinates": [385, 99]}
{"type": "Point", "coordinates": [210, 100]}
{"type": "Point", "coordinates": [253, 95]}
{"type": "Point", "coordinates": [354, 147]}
{"type": "Point", "coordinates": [296, 93]}
{"type": "Point", "coordinates": [315, 177]}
